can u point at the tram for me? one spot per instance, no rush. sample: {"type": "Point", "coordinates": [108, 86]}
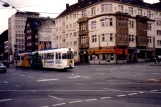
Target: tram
{"type": "Point", "coordinates": [60, 58]}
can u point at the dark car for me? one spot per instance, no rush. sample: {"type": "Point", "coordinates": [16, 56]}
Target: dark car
{"type": "Point", "coordinates": [2, 67]}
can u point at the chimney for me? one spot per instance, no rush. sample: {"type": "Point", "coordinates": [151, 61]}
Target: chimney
{"type": "Point", "coordinates": [67, 5]}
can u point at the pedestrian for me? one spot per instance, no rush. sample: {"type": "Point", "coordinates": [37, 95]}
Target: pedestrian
{"type": "Point", "coordinates": [156, 59]}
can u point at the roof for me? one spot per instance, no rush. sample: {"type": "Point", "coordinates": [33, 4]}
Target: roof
{"type": "Point", "coordinates": [85, 3]}
{"type": "Point", "coordinates": [27, 13]}
{"type": "Point", "coordinates": [35, 23]}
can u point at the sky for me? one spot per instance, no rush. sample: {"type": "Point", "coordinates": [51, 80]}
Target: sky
{"type": "Point", "coordinates": [49, 6]}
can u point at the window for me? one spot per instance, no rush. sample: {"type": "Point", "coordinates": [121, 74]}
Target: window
{"type": "Point", "coordinates": [121, 9]}
{"type": "Point", "coordinates": [84, 13]}
{"type": "Point", "coordinates": [67, 43]}
{"type": "Point", "coordinates": [93, 24]}
{"type": "Point", "coordinates": [70, 25]}
{"type": "Point", "coordinates": [149, 14]}
{"type": "Point", "coordinates": [83, 40]}
{"type": "Point", "coordinates": [158, 23]}
{"type": "Point", "coordinates": [131, 24]}
{"type": "Point", "coordinates": [70, 34]}
{"type": "Point", "coordinates": [130, 10]}
{"type": "Point", "coordinates": [111, 22]}
{"type": "Point", "coordinates": [159, 42]}
{"type": "Point", "coordinates": [75, 43]}
{"type": "Point", "coordinates": [149, 26]}
{"type": "Point", "coordinates": [67, 35]}
{"type": "Point", "coordinates": [106, 8]}
{"type": "Point", "coordinates": [94, 38]}
{"type": "Point", "coordinates": [103, 37]}
{"type": "Point", "coordinates": [60, 37]}
{"type": "Point", "coordinates": [149, 39]}
{"type": "Point", "coordinates": [159, 32]}
{"type": "Point", "coordinates": [82, 26]}
{"type": "Point", "coordinates": [93, 11]}
{"type": "Point", "coordinates": [111, 37]}
{"type": "Point", "coordinates": [70, 43]}
{"type": "Point", "coordinates": [75, 33]}
{"type": "Point", "coordinates": [67, 26]}
{"type": "Point", "coordinates": [140, 12]}
{"type": "Point", "coordinates": [56, 37]}
{"type": "Point", "coordinates": [131, 38]}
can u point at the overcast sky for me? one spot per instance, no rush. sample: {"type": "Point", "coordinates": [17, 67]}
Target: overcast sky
{"type": "Point", "coordinates": [51, 6]}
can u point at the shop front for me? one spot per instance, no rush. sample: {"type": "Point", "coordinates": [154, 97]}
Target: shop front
{"type": "Point", "coordinates": [105, 56]}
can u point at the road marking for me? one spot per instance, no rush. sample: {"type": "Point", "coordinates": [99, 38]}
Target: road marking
{"type": "Point", "coordinates": [6, 82]}
{"type": "Point", "coordinates": [17, 85]}
{"type": "Point", "coordinates": [5, 100]}
{"type": "Point", "coordinates": [79, 101]}
{"type": "Point", "coordinates": [133, 94]}
{"type": "Point", "coordinates": [59, 104]}
{"type": "Point", "coordinates": [55, 97]}
{"type": "Point", "coordinates": [86, 77]}
{"type": "Point", "coordinates": [80, 84]}
{"type": "Point", "coordinates": [21, 75]}
{"type": "Point", "coordinates": [101, 73]}
{"type": "Point", "coordinates": [154, 90]}
{"type": "Point", "coordinates": [100, 83]}
{"type": "Point", "coordinates": [29, 76]}
{"type": "Point", "coordinates": [44, 106]}
{"type": "Point", "coordinates": [121, 95]}
{"type": "Point", "coordinates": [45, 80]}
{"type": "Point", "coordinates": [91, 100]}
{"type": "Point", "coordinates": [105, 98]}
{"type": "Point", "coordinates": [141, 92]}
{"type": "Point", "coordinates": [110, 89]}
{"type": "Point", "coordinates": [74, 77]}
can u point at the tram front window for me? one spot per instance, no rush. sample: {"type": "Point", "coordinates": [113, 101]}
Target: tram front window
{"type": "Point", "coordinates": [69, 56]}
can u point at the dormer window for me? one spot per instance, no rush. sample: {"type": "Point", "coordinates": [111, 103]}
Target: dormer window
{"type": "Point", "coordinates": [93, 11]}
{"type": "Point", "coordinates": [121, 8]}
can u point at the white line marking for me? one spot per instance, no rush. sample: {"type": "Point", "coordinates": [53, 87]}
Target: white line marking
{"type": "Point", "coordinates": [121, 95]}
{"type": "Point", "coordinates": [44, 106]}
{"type": "Point", "coordinates": [21, 75]}
{"type": "Point", "coordinates": [100, 83]}
{"type": "Point", "coordinates": [17, 85]}
{"type": "Point", "coordinates": [87, 77]}
{"type": "Point", "coordinates": [59, 104]}
{"type": "Point", "coordinates": [110, 89]}
{"type": "Point", "coordinates": [29, 76]}
{"type": "Point", "coordinates": [79, 101]}
{"type": "Point", "coordinates": [101, 74]}
{"type": "Point", "coordinates": [6, 82]}
{"type": "Point", "coordinates": [141, 92]}
{"type": "Point", "coordinates": [80, 84]}
{"type": "Point", "coordinates": [133, 94]}
{"type": "Point", "coordinates": [55, 97]}
{"type": "Point", "coordinates": [75, 77]}
{"type": "Point", "coordinates": [44, 80]}
{"type": "Point", "coordinates": [91, 100]}
{"type": "Point", "coordinates": [105, 98]}
{"type": "Point", "coordinates": [154, 90]}
{"type": "Point", "coordinates": [5, 100]}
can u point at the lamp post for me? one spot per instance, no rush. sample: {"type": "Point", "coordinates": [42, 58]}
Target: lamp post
{"type": "Point", "coordinates": [15, 55]}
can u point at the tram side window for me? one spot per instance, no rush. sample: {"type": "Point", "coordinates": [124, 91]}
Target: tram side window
{"type": "Point", "coordinates": [64, 56]}
{"type": "Point", "coordinates": [57, 56]}
{"type": "Point", "coordinates": [48, 56]}
{"type": "Point", "coordinates": [22, 57]}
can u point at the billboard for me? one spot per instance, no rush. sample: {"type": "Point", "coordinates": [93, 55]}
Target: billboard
{"type": "Point", "coordinates": [44, 45]}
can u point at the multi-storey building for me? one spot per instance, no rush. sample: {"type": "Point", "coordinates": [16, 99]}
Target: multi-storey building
{"type": "Point", "coordinates": [39, 34]}
{"type": "Point", "coordinates": [16, 26]}
{"type": "Point", "coordinates": [105, 31]}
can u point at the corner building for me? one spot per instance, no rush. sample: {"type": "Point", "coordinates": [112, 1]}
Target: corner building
{"type": "Point", "coordinates": [110, 31]}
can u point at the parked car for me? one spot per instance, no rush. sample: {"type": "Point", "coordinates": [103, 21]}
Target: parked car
{"type": "Point", "coordinates": [2, 67]}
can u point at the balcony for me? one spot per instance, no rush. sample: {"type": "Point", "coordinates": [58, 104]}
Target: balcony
{"type": "Point", "coordinates": [84, 19]}
{"type": "Point", "coordinates": [85, 45]}
{"type": "Point", "coordinates": [83, 32]}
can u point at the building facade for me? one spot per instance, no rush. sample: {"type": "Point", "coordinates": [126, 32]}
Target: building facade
{"type": "Point", "coordinates": [16, 26]}
{"type": "Point", "coordinates": [39, 34]}
{"type": "Point", "coordinates": [102, 31]}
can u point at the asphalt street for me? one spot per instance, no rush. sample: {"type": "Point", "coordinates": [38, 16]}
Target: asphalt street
{"type": "Point", "coordinates": [131, 85]}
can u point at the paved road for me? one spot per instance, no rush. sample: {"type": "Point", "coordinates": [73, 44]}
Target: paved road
{"type": "Point", "coordinates": [134, 85]}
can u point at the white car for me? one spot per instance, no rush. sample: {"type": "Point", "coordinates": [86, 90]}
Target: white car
{"type": "Point", "coordinates": [2, 67]}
